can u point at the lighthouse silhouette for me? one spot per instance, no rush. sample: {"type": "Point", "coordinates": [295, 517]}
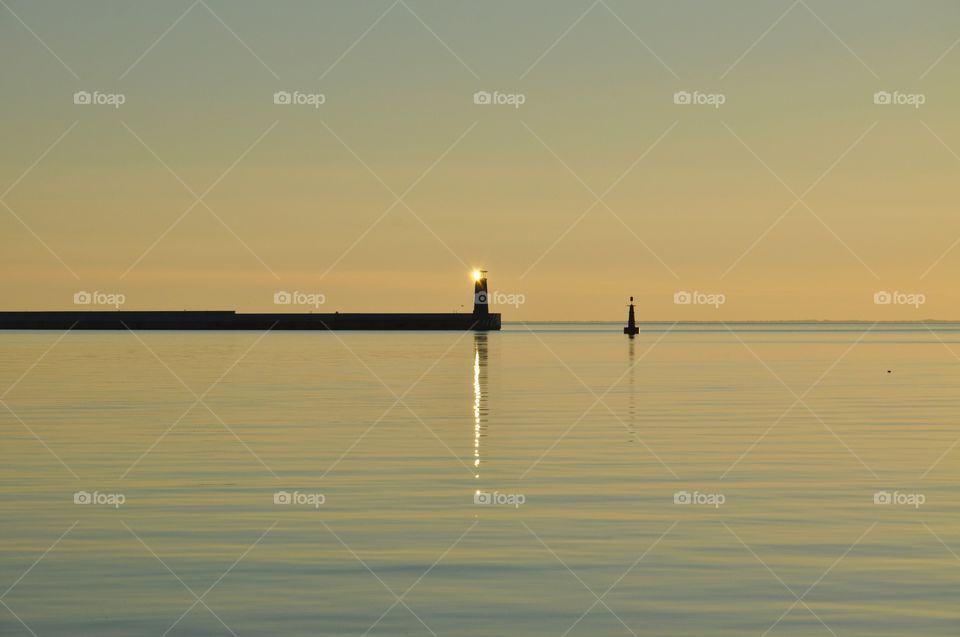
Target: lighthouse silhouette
{"type": "Point", "coordinates": [481, 303]}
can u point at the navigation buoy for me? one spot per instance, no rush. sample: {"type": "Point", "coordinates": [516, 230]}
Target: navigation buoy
{"type": "Point", "coordinates": [631, 329]}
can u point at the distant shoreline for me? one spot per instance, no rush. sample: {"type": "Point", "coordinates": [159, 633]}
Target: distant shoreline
{"type": "Point", "coordinates": [800, 322]}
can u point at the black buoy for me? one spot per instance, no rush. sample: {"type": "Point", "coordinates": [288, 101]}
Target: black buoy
{"type": "Point", "coordinates": [631, 327]}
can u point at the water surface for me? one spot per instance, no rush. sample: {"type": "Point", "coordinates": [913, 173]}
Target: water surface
{"type": "Point", "coordinates": [785, 435]}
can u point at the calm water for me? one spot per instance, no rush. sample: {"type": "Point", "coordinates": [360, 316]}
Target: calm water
{"type": "Point", "coordinates": [782, 436]}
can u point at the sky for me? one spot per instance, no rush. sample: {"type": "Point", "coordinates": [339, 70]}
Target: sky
{"type": "Point", "coordinates": [813, 175]}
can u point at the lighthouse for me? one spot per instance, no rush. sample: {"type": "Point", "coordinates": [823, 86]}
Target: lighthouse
{"type": "Point", "coordinates": [481, 303]}
{"type": "Point", "coordinates": [631, 329]}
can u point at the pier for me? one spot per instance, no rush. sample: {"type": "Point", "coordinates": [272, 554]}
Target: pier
{"type": "Point", "coordinates": [481, 319]}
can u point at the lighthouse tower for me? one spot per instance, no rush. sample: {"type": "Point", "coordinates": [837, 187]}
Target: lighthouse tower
{"type": "Point", "coordinates": [481, 303]}
{"type": "Point", "coordinates": [631, 327]}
